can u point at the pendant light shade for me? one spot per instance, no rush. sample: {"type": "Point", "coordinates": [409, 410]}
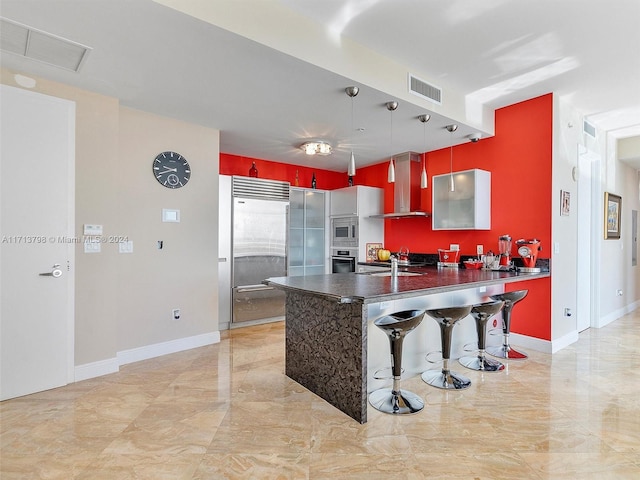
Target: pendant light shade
{"type": "Point", "coordinates": [391, 173]}
{"type": "Point", "coordinates": [452, 186]}
{"type": "Point", "coordinates": [424, 182]}
{"type": "Point", "coordinates": [351, 170]}
{"type": "Point", "coordinates": [423, 178]}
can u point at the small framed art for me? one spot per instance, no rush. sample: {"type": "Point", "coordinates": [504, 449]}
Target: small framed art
{"type": "Point", "coordinates": [612, 215]}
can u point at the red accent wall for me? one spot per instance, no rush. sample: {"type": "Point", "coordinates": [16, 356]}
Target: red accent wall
{"type": "Point", "coordinates": [325, 179]}
{"type": "Point", "coordinates": [519, 158]}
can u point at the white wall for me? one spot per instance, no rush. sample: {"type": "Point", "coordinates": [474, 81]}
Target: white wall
{"type": "Point", "coordinates": [616, 271]}
{"type": "Point", "coordinates": [566, 130]}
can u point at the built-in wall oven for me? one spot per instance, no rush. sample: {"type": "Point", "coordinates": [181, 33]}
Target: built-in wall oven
{"type": "Point", "coordinates": [344, 232]}
{"type": "Point", "coordinates": [343, 260]}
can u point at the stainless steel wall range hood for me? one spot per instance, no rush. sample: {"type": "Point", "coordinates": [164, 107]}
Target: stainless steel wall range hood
{"type": "Point", "coordinates": [406, 189]}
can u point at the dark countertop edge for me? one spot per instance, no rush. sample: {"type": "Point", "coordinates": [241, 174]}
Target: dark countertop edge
{"type": "Point", "coordinates": [513, 277]}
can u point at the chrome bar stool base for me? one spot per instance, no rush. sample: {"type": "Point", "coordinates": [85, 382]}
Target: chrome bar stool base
{"type": "Point", "coordinates": [482, 313]}
{"type": "Point", "coordinates": [394, 400]}
{"type": "Point", "coordinates": [401, 402]}
{"type": "Point", "coordinates": [482, 364]}
{"type": "Point", "coordinates": [505, 351]}
{"type": "Point", "coordinates": [447, 380]}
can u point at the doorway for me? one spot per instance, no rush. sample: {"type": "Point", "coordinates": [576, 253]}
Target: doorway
{"type": "Point", "coordinates": [586, 285]}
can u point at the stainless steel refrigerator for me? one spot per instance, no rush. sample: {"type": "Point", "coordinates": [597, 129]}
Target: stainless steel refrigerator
{"type": "Point", "coordinates": [259, 247]}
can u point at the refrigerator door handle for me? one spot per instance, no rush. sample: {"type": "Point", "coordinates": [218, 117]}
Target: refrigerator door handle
{"type": "Point", "coordinates": [254, 288]}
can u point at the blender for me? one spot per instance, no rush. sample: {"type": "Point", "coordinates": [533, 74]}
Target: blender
{"type": "Point", "coordinates": [528, 249]}
{"type": "Point", "coordinates": [504, 247]}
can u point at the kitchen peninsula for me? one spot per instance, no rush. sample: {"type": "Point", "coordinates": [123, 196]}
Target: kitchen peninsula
{"type": "Point", "coordinates": [331, 347]}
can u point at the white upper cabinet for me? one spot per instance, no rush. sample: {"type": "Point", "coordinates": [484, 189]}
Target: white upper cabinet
{"type": "Point", "coordinates": [468, 207]}
{"type": "Point", "coordinates": [358, 200]}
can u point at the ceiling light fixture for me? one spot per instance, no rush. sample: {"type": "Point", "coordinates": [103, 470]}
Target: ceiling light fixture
{"type": "Point", "coordinates": [351, 170]}
{"type": "Point", "coordinates": [452, 187]}
{"type": "Point", "coordinates": [318, 147]}
{"type": "Point", "coordinates": [423, 177]}
{"type": "Point", "coordinates": [391, 173]}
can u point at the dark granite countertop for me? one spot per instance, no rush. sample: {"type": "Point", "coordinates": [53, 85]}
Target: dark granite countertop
{"type": "Point", "coordinates": [369, 288]}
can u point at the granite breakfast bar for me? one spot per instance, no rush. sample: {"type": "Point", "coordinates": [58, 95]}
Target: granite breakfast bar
{"type": "Point", "coordinates": [328, 346]}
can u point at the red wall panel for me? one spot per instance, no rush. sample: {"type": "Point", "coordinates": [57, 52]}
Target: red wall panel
{"type": "Point", "coordinates": [326, 179]}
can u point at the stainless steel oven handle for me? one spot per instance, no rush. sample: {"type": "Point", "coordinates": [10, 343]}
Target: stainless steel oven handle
{"type": "Point", "coordinates": [254, 288]}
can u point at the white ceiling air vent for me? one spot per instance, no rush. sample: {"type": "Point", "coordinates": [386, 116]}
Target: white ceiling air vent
{"type": "Point", "coordinates": [44, 47]}
{"type": "Point", "coordinates": [589, 129]}
{"type": "Point", "coordinates": [425, 90]}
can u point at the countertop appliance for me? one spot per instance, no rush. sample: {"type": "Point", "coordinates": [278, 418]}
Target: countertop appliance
{"type": "Point", "coordinates": [528, 249]}
{"type": "Point", "coordinates": [504, 248]}
{"type": "Point", "coordinates": [259, 246]}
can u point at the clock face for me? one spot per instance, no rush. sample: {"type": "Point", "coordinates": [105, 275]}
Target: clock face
{"type": "Point", "coordinates": [171, 169]}
{"type": "Point", "coordinates": [524, 251]}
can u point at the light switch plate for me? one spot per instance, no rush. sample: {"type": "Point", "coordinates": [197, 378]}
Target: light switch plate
{"type": "Point", "coordinates": [125, 247]}
{"type": "Point", "coordinates": [91, 246]}
{"type": "Point", "coordinates": [90, 229]}
{"type": "Point", "coordinates": [170, 215]}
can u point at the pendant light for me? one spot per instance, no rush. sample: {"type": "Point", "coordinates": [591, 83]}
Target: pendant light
{"type": "Point", "coordinates": [423, 176]}
{"type": "Point", "coordinates": [351, 169]}
{"type": "Point", "coordinates": [391, 173]}
{"type": "Point", "coordinates": [452, 187]}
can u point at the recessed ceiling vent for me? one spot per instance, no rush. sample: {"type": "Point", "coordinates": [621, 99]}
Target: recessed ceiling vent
{"type": "Point", "coordinates": [589, 129]}
{"type": "Point", "coordinates": [425, 90]}
{"type": "Point", "coordinates": [41, 46]}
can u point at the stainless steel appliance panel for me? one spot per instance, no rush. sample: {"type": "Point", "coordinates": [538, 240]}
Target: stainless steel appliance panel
{"type": "Point", "coordinates": [344, 232]}
{"type": "Point", "coordinates": [224, 253]}
{"type": "Point", "coordinates": [259, 252]}
{"type": "Point", "coordinates": [344, 261]}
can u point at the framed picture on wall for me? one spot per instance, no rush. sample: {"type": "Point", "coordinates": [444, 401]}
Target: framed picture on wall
{"type": "Point", "coordinates": [612, 215]}
{"type": "Point", "coordinates": [565, 203]}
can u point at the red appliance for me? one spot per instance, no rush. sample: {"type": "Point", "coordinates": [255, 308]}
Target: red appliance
{"type": "Point", "coordinates": [504, 247]}
{"type": "Point", "coordinates": [528, 249]}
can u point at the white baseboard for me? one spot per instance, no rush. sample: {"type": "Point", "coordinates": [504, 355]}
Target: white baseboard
{"type": "Point", "coordinates": [165, 348]}
{"type": "Point", "coordinates": [621, 312]}
{"type": "Point", "coordinates": [112, 365]}
{"type": "Point", "coordinates": [544, 346]}
{"type": "Point", "coordinates": [96, 369]}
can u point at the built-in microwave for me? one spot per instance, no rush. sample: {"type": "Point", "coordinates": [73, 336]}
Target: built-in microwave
{"type": "Point", "coordinates": [344, 232]}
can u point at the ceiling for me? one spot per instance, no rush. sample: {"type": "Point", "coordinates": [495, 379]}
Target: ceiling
{"type": "Point", "coordinates": [266, 101]}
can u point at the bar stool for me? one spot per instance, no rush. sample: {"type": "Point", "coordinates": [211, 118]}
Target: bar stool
{"type": "Point", "coordinates": [505, 351]}
{"type": "Point", "coordinates": [482, 313]}
{"type": "Point", "coordinates": [393, 400]}
{"type": "Point", "coordinates": [447, 318]}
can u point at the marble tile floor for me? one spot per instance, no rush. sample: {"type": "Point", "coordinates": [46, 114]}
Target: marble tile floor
{"type": "Point", "coordinates": [227, 411]}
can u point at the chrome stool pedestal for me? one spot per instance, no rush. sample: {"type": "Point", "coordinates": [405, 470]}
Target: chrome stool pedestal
{"type": "Point", "coordinates": [482, 313]}
{"type": "Point", "coordinates": [445, 378]}
{"type": "Point", "coordinates": [394, 400]}
{"type": "Point", "coordinates": [505, 351]}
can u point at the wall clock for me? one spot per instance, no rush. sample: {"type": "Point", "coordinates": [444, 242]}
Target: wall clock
{"type": "Point", "coordinates": [171, 169]}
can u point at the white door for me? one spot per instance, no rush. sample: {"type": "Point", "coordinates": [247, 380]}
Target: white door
{"type": "Point", "coordinates": [37, 185]}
